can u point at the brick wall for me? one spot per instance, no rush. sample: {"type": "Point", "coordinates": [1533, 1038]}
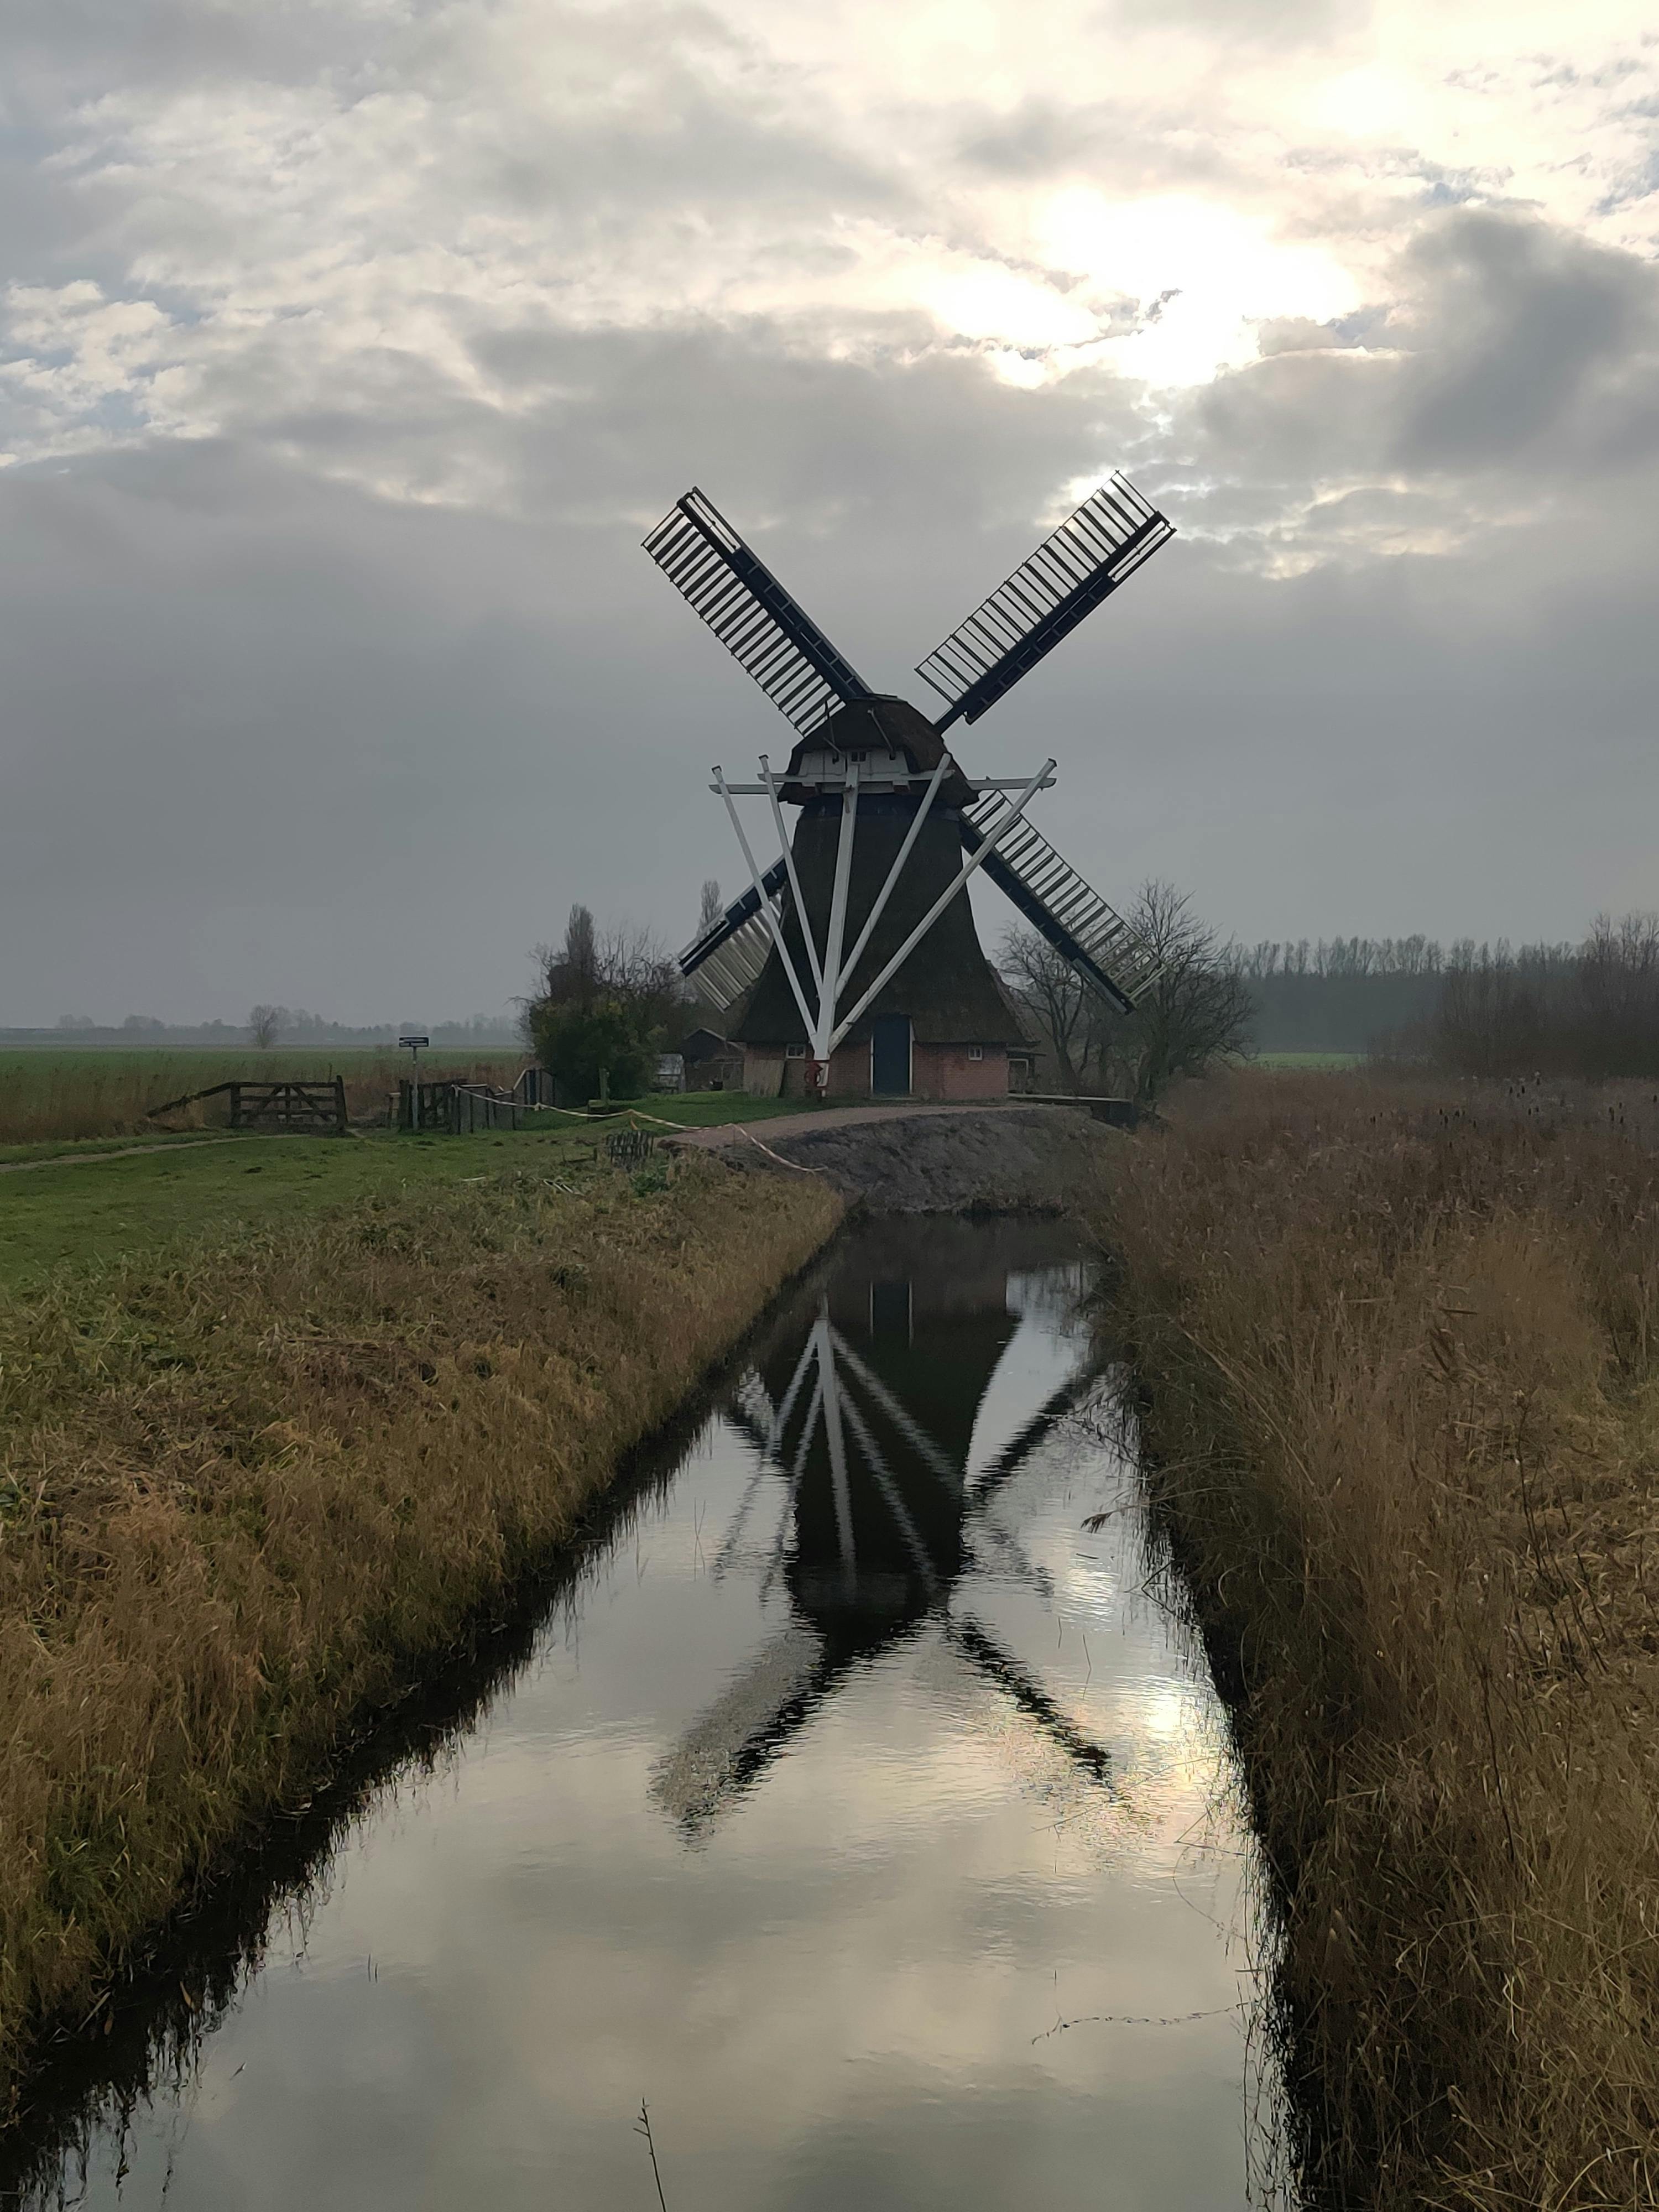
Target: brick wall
{"type": "Point", "coordinates": [937, 1072]}
{"type": "Point", "coordinates": [945, 1071]}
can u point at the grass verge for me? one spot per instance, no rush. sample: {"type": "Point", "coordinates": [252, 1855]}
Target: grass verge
{"type": "Point", "coordinates": [252, 1485]}
{"type": "Point", "coordinates": [1403, 1368]}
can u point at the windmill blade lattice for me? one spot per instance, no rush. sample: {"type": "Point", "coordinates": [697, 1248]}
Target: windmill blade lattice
{"type": "Point", "coordinates": [727, 957]}
{"type": "Point", "coordinates": [1091, 553]}
{"type": "Point", "coordinates": [755, 618]}
{"type": "Point", "coordinates": [1062, 906]}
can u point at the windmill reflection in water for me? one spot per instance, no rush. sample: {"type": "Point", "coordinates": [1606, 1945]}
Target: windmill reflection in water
{"type": "Point", "coordinates": [861, 1407]}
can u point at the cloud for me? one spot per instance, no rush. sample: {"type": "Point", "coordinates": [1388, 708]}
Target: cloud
{"type": "Point", "coordinates": [350, 348]}
{"type": "Point", "coordinates": [1545, 345]}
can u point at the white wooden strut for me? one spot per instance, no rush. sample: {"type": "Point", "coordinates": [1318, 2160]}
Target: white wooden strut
{"type": "Point", "coordinates": [772, 922]}
{"type": "Point", "coordinates": [771, 784]}
{"type": "Point", "coordinates": [968, 865]}
{"type": "Point", "coordinates": [827, 1029]}
{"type": "Point", "coordinates": [837, 932]}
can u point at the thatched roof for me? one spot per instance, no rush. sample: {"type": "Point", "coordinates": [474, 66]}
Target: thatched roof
{"type": "Point", "coordinates": [946, 986]}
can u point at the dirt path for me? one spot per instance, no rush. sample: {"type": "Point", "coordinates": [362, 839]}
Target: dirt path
{"type": "Point", "coordinates": [122, 1152]}
{"type": "Point", "coordinates": [826, 1117]}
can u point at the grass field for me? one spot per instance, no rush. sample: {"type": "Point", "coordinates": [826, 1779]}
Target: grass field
{"type": "Point", "coordinates": [103, 1213]}
{"type": "Point", "coordinates": [1401, 1349]}
{"type": "Point", "coordinates": [68, 1096]}
{"type": "Point", "coordinates": [1309, 1062]}
{"type": "Point", "coordinates": [44, 1095]}
{"type": "Point", "coordinates": [80, 1209]}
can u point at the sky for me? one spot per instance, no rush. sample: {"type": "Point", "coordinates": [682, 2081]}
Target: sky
{"type": "Point", "coordinates": [348, 347]}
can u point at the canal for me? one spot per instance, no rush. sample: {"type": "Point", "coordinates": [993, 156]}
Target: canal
{"type": "Point", "coordinates": [856, 1805]}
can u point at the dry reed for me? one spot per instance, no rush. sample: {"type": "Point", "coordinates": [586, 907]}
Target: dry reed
{"type": "Point", "coordinates": [246, 1493]}
{"type": "Point", "coordinates": [1402, 1359]}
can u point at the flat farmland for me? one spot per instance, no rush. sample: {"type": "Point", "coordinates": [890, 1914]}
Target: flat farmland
{"type": "Point", "coordinates": [103, 1093]}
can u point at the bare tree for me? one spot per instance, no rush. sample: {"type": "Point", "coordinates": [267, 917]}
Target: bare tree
{"type": "Point", "coordinates": [1590, 1009]}
{"type": "Point", "coordinates": [267, 1024]}
{"type": "Point", "coordinates": [710, 908]}
{"type": "Point", "coordinates": [1197, 1008]}
{"type": "Point", "coordinates": [1050, 989]}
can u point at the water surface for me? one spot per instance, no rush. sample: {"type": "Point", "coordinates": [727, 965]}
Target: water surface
{"type": "Point", "coordinates": [857, 1808]}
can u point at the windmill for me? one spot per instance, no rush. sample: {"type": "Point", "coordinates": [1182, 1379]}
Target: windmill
{"type": "Point", "coordinates": [853, 954]}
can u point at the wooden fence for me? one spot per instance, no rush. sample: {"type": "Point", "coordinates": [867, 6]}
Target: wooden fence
{"type": "Point", "coordinates": [456, 1109]}
{"type": "Point", "coordinates": [289, 1108]}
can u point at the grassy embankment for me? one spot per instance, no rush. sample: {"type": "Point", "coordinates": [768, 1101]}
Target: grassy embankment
{"type": "Point", "coordinates": [266, 1464]}
{"type": "Point", "coordinates": [1403, 1366]}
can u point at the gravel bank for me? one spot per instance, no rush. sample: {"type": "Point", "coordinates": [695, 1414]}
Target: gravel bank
{"type": "Point", "coordinates": [930, 1160]}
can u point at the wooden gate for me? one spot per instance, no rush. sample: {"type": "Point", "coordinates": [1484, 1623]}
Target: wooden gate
{"type": "Point", "coordinates": [317, 1110]}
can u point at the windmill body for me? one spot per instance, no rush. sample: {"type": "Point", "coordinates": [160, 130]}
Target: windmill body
{"type": "Point", "coordinates": [942, 1026]}
{"type": "Point", "coordinates": [851, 965]}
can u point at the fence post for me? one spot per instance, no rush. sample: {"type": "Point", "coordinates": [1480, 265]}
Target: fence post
{"type": "Point", "coordinates": [340, 1120]}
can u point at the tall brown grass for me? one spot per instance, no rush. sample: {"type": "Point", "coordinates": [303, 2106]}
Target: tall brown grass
{"type": "Point", "coordinates": [1401, 1356]}
{"type": "Point", "coordinates": [46, 1095]}
{"type": "Point", "coordinates": [247, 1493]}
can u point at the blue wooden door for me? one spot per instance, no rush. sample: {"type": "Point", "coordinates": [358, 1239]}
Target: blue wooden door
{"type": "Point", "coordinates": [890, 1055]}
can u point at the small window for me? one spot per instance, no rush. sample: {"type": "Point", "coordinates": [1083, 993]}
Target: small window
{"type": "Point", "coordinates": [975, 1052]}
{"type": "Point", "coordinates": [795, 1052]}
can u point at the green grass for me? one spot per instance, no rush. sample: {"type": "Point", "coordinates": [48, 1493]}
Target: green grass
{"type": "Point", "coordinates": [1311, 1060]}
{"type": "Point", "coordinates": [82, 1210]}
{"type": "Point", "coordinates": [110, 1209]}
{"type": "Point", "coordinates": [713, 1109]}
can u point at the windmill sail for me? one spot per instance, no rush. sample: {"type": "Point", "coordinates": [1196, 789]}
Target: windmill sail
{"type": "Point", "coordinates": [1058, 903]}
{"type": "Point", "coordinates": [1085, 560]}
{"type": "Point", "coordinates": [749, 611]}
{"type": "Point", "coordinates": [726, 958]}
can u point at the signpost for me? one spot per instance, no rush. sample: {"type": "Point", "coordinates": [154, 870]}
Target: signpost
{"type": "Point", "coordinates": [414, 1043]}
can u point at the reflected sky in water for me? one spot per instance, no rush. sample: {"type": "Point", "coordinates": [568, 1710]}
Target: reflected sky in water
{"type": "Point", "coordinates": [858, 1811]}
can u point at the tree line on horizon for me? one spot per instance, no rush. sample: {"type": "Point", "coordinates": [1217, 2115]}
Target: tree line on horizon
{"type": "Point", "coordinates": [1589, 1009]}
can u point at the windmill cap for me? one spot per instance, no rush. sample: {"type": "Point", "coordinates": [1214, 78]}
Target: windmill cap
{"type": "Point", "coordinates": [876, 723]}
